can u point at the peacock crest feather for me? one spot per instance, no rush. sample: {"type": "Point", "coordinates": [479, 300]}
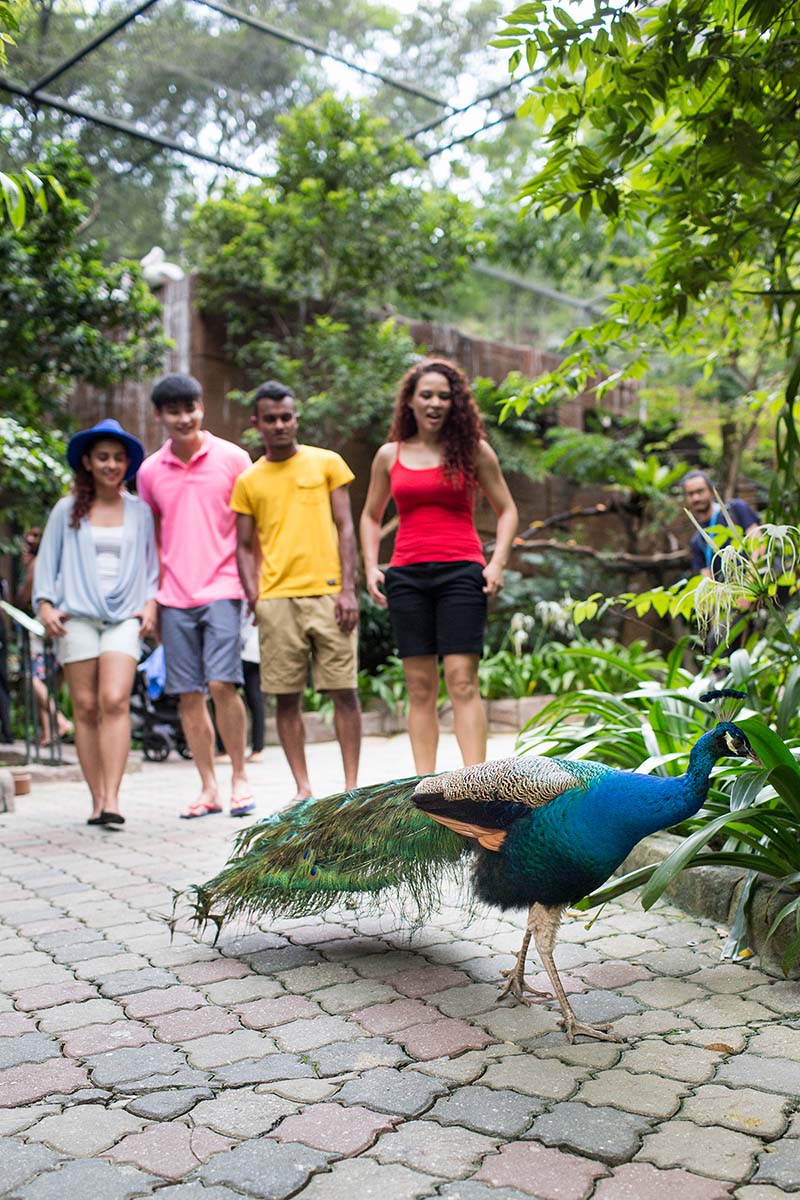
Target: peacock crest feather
{"type": "Point", "coordinates": [730, 703]}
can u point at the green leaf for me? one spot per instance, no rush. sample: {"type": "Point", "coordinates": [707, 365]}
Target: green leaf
{"type": "Point", "coordinates": [14, 198]}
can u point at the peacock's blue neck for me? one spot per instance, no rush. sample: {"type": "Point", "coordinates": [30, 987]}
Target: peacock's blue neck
{"type": "Point", "coordinates": [666, 802]}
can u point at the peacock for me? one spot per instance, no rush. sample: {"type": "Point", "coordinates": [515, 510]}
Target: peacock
{"type": "Point", "coordinates": [543, 832]}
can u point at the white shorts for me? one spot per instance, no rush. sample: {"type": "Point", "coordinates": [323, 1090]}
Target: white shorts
{"type": "Point", "coordinates": [87, 638]}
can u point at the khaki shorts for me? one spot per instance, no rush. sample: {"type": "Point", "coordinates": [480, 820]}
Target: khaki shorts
{"type": "Point", "coordinates": [290, 628]}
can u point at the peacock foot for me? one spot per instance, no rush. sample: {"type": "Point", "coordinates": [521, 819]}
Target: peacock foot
{"type": "Point", "coordinates": [574, 1028]}
{"type": "Point", "coordinates": [518, 987]}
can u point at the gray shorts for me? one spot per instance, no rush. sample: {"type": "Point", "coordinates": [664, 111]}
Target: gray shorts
{"type": "Point", "coordinates": [201, 645]}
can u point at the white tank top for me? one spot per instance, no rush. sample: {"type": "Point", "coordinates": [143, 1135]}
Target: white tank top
{"type": "Point", "coordinates": [108, 548]}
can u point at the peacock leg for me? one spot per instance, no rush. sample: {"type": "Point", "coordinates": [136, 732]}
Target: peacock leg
{"type": "Point", "coordinates": [517, 985]}
{"type": "Point", "coordinates": [545, 922]}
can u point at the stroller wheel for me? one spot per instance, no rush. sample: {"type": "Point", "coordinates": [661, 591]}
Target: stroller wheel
{"type": "Point", "coordinates": [156, 746]}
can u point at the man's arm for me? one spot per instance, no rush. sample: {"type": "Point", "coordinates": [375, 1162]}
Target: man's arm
{"type": "Point", "coordinates": [245, 557]}
{"type": "Point", "coordinates": [346, 601]}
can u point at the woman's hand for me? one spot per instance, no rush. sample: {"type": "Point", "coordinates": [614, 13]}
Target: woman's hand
{"type": "Point", "coordinates": [148, 619]}
{"type": "Point", "coordinates": [53, 619]}
{"type": "Point", "coordinates": [493, 574]}
{"type": "Point", "coordinates": [374, 581]}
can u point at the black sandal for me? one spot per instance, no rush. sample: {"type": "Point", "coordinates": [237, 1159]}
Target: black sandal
{"type": "Point", "coordinates": [96, 820]}
{"type": "Point", "coordinates": [111, 818]}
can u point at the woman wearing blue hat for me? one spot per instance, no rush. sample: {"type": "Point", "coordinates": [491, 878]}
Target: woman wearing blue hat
{"type": "Point", "coordinates": [95, 584]}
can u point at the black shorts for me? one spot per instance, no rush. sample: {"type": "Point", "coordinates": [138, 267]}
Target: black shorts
{"type": "Point", "coordinates": [437, 608]}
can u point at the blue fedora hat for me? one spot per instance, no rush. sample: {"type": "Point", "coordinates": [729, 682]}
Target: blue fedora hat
{"type": "Point", "coordinates": [81, 443]}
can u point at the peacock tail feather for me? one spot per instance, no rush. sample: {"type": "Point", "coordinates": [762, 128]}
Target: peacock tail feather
{"type": "Point", "coordinates": [336, 850]}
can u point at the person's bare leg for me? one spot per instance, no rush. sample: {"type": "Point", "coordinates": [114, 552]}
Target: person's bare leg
{"type": "Point", "coordinates": [115, 680]}
{"type": "Point", "coordinates": [422, 680]}
{"type": "Point", "coordinates": [347, 723]}
{"type": "Point", "coordinates": [232, 726]}
{"type": "Point", "coordinates": [200, 736]}
{"type": "Point", "coordinates": [40, 695]}
{"type": "Point", "coordinates": [469, 716]}
{"type": "Point", "coordinates": [292, 735]}
{"type": "Point", "coordinates": [82, 681]}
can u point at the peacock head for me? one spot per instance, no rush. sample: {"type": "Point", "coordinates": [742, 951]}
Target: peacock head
{"type": "Point", "coordinates": [731, 741]}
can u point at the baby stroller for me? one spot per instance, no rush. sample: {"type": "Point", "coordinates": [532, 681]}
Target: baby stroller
{"type": "Point", "coordinates": [155, 721]}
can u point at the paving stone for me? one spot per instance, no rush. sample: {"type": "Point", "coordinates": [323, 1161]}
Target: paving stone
{"type": "Point", "coordinates": [488, 968]}
{"type": "Point", "coordinates": [405, 1093]}
{"type": "Point", "coordinates": [186, 1077]}
{"type": "Point", "coordinates": [270, 962]}
{"type": "Point", "coordinates": [469, 1190]}
{"type": "Point", "coordinates": [488, 1110]}
{"type": "Point", "coordinates": [722, 1010]}
{"type": "Point", "coordinates": [782, 996]}
{"type": "Point", "coordinates": [95, 1039]}
{"type": "Point", "coordinates": [318, 934]}
{"type": "Point", "coordinates": [729, 977]}
{"type": "Point", "coordinates": [265, 1070]}
{"type": "Point", "coordinates": [67, 1017]}
{"type": "Point", "coordinates": [423, 1146]}
{"type": "Point", "coordinates": [764, 1191]}
{"type": "Point", "coordinates": [265, 1168]}
{"type": "Point", "coordinates": [369, 1180]}
{"type": "Point", "coordinates": [600, 1007]}
{"type": "Point", "coordinates": [84, 1130]}
{"type": "Point", "coordinates": [88, 1177]}
{"type": "Point", "coordinates": [727, 1041]}
{"type": "Point", "coordinates": [744, 1109]}
{"type": "Point", "coordinates": [541, 1172]}
{"type": "Point", "coordinates": [341, 1129]}
{"type": "Point", "coordinates": [347, 997]}
{"type": "Point", "coordinates": [687, 1063]}
{"type": "Point", "coordinates": [653, 1021]}
{"type": "Point", "coordinates": [240, 991]}
{"type": "Point", "coordinates": [398, 1014]}
{"type": "Point", "coordinates": [27, 1048]}
{"type": "Point", "coordinates": [443, 1037]}
{"type": "Point", "coordinates": [720, 1153]}
{"type": "Point", "coordinates": [248, 943]}
{"type": "Point", "coordinates": [465, 1001]}
{"type": "Point", "coordinates": [665, 993]}
{"type": "Point", "coordinates": [188, 1023]}
{"type": "Point", "coordinates": [267, 1014]}
{"type": "Point", "coordinates": [212, 972]}
{"type": "Point", "coordinates": [678, 962]}
{"type": "Point", "coordinates": [598, 1132]}
{"type": "Point", "coordinates": [102, 969]}
{"type": "Point", "coordinates": [633, 1181]}
{"type": "Point", "coordinates": [311, 978]}
{"type": "Point", "coordinates": [423, 981]}
{"type": "Point", "coordinates": [650, 1095]}
{"type": "Point", "coordinates": [625, 945]}
{"type": "Point", "coordinates": [358, 1055]}
{"type": "Point", "coordinates": [519, 1023]}
{"type": "Point", "coordinates": [318, 1031]}
{"type": "Point", "coordinates": [780, 1075]}
{"type": "Point", "coordinates": [15, 1120]}
{"type": "Point", "coordinates": [242, 1113]}
{"type": "Point", "coordinates": [156, 1002]}
{"type": "Point", "coordinates": [170, 1148]}
{"type": "Point", "coordinates": [777, 1041]}
{"type": "Point", "coordinates": [780, 1165]}
{"type": "Point", "coordinates": [524, 1073]}
{"type": "Point", "coordinates": [386, 961]}
{"type": "Point", "coordinates": [196, 1191]}
{"type": "Point", "coordinates": [612, 974]}
{"type": "Point", "coordinates": [126, 983]}
{"type": "Point", "coordinates": [26, 961]}
{"type": "Point", "coordinates": [303, 1091]}
{"type": "Point", "coordinates": [33, 1081]}
{"type": "Point", "coordinates": [35, 998]}
{"type": "Point", "coordinates": [119, 1066]}
{"type": "Point", "coordinates": [165, 1106]}
{"type": "Point", "coordinates": [585, 1053]}
{"type": "Point", "coordinates": [82, 951]}
{"type": "Point", "coordinates": [50, 975]}
{"type": "Point", "coordinates": [220, 1049]}
{"type": "Point", "coordinates": [19, 1163]}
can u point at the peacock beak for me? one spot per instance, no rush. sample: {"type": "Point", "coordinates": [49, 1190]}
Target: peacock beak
{"type": "Point", "coordinates": [752, 756]}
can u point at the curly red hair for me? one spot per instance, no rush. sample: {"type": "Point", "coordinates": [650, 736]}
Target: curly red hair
{"type": "Point", "coordinates": [463, 429]}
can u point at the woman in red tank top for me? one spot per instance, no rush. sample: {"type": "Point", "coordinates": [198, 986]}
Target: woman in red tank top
{"type": "Point", "coordinates": [438, 581]}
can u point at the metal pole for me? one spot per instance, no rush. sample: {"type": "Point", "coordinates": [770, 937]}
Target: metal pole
{"type": "Point", "coordinates": [75, 58]}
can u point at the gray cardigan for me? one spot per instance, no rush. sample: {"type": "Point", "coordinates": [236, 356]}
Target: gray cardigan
{"type": "Point", "coordinates": [66, 570]}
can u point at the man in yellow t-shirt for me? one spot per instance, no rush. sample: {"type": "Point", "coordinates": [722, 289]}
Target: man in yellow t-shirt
{"type": "Point", "coordinates": [297, 499]}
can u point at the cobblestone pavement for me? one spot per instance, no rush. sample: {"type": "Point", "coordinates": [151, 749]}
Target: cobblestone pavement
{"type": "Point", "coordinates": [345, 1058]}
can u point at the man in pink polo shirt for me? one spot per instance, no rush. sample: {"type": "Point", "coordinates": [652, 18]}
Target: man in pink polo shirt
{"type": "Point", "coordinates": [188, 485]}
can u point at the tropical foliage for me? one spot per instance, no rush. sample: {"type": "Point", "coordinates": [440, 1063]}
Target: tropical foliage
{"type": "Point", "coordinates": [678, 119]}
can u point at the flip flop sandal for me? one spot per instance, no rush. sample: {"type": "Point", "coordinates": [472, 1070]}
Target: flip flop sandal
{"type": "Point", "coordinates": [242, 805]}
{"type": "Point", "coordinates": [200, 808]}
